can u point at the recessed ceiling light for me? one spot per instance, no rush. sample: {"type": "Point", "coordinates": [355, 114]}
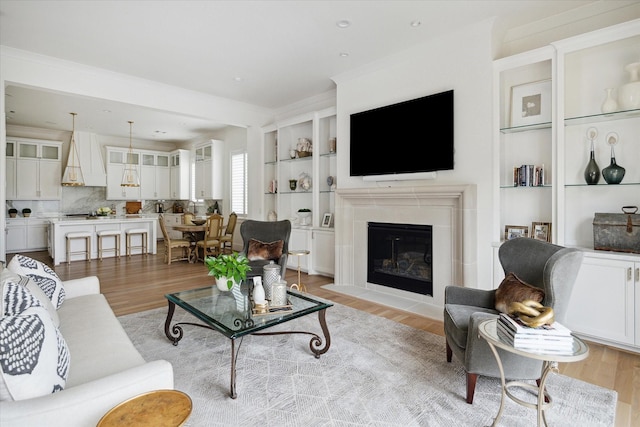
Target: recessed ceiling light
{"type": "Point", "coordinates": [343, 54]}
{"type": "Point", "coordinates": [238, 79]}
{"type": "Point", "coordinates": [415, 23]}
{"type": "Point", "coordinates": [106, 111]}
{"type": "Point", "coordinates": [343, 23]}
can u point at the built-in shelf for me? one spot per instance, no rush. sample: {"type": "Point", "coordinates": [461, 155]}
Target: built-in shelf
{"type": "Point", "coordinates": [602, 117]}
{"type": "Point", "coordinates": [515, 129]}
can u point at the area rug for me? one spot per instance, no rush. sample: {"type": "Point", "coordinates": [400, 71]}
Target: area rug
{"type": "Point", "coordinates": [376, 373]}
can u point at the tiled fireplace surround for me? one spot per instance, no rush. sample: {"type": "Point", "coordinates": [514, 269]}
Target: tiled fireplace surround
{"type": "Point", "coordinates": [450, 209]}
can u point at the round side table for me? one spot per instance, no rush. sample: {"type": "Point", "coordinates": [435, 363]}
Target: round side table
{"type": "Point", "coordinates": [159, 408]}
{"type": "Point", "coordinates": [298, 253]}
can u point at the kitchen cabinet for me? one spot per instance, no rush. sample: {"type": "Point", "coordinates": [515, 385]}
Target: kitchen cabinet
{"type": "Point", "coordinates": [26, 234]}
{"type": "Point", "coordinates": [209, 170]}
{"type": "Point", "coordinates": [606, 300]}
{"type": "Point", "coordinates": [155, 176]}
{"type": "Point", "coordinates": [117, 158]}
{"type": "Point", "coordinates": [180, 171]}
{"type": "Point", "coordinates": [38, 169]}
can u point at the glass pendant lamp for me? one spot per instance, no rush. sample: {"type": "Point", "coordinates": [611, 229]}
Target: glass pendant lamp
{"type": "Point", "coordinates": [130, 177]}
{"type": "Point", "coordinates": [72, 176]}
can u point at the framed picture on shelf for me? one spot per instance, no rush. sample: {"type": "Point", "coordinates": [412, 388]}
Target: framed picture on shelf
{"type": "Point", "coordinates": [541, 231]}
{"type": "Point", "coordinates": [531, 103]}
{"type": "Point", "coordinates": [515, 231]}
{"type": "Point", "coordinates": [327, 220]}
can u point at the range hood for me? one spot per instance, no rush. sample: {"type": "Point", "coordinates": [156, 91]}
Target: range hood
{"type": "Point", "coordinates": [90, 157]}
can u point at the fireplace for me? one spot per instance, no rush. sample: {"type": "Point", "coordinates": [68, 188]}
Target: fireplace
{"type": "Point", "coordinates": [400, 256]}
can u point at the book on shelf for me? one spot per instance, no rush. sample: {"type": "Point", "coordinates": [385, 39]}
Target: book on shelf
{"type": "Point", "coordinates": [516, 325]}
{"type": "Point", "coordinates": [537, 342]}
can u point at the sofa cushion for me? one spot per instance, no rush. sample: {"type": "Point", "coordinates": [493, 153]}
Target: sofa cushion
{"type": "Point", "coordinates": [264, 251]}
{"type": "Point", "coordinates": [35, 290]}
{"type": "Point", "coordinates": [44, 276]}
{"type": "Point", "coordinates": [512, 289]}
{"type": "Point", "coordinates": [35, 358]}
{"type": "Point", "coordinates": [98, 343]}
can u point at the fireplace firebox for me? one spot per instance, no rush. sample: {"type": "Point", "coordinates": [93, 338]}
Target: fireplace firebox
{"type": "Point", "coordinates": [400, 256]}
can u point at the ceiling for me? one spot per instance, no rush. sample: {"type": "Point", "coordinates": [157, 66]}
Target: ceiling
{"type": "Point", "coordinates": [266, 53]}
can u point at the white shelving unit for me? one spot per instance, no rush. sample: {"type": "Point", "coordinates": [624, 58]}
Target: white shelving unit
{"type": "Point", "coordinates": [581, 69]}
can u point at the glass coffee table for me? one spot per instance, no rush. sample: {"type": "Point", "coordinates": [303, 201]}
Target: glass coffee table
{"type": "Point", "coordinates": [231, 314]}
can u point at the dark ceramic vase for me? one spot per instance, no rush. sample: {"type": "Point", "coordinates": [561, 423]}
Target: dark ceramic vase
{"type": "Point", "coordinates": [592, 171]}
{"type": "Point", "coordinates": [613, 173]}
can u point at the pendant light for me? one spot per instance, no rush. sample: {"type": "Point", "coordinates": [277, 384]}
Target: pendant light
{"type": "Point", "coordinates": [130, 177]}
{"type": "Point", "coordinates": [72, 176]}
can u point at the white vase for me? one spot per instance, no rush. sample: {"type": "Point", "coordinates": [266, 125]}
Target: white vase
{"type": "Point", "coordinates": [258, 291]}
{"type": "Point", "coordinates": [222, 284]}
{"type": "Point", "coordinates": [609, 105]}
{"type": "Point", "coordinates": [629, 94]}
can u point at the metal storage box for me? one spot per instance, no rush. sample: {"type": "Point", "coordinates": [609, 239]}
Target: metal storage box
{"type": "Point", "coordinates": [617, 232]}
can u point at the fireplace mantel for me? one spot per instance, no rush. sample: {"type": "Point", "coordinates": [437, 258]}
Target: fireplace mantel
{"type": "Point", "coordinates": [452, 211]}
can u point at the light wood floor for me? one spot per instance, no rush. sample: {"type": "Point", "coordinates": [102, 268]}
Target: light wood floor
{"type": "Point", "coordinates": [140, 283]}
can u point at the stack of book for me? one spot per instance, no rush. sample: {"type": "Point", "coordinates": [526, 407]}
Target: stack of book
{"type": "Point", "coordinates": [554, 338]}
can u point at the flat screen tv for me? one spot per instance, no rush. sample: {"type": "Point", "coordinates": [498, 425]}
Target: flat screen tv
{"type": "Point", "coordinates": [409, 137]}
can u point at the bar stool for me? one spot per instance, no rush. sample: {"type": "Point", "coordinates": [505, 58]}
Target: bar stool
{"type": "Point", "coordinates": [143, 232]}
{"type": "Point", "coordinates": [79, 235]}
{"type": "Point", "coordinates": [109, 233]}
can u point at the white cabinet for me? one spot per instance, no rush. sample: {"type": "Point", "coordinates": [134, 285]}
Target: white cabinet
{"type": "Point", "coordinates": [606, 300]}
{"type": "Point", "coordinates": [323, 252]}
{"type": "Point", "coordinates": [155, 176]}
{"type": "Point", "coordinates": [26, 234]}
{"type": "Point", "coordinates": [180, 175]}
{"type": "Point", "coordinates": [11, 170]}
{"type": "Point", "coordinates": [117, 158]}
{"type": "Point", "coordinates": [38, 169]}
{"type": "Point", "coordinates": [300, 239]}
{"type": "Point", "coordinates": [208, 170]}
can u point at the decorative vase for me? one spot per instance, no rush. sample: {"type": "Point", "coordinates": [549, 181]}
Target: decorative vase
{"type": "Point", "coordinates": [270, 273]}
{"type": "Point", "coordinates": [222, 284]}
{"type": "Point", "coordinates": [609, 105]}
{"type": "Point", "coordinates": [592, 171]}
{"type": "Point", "coordinates": [613, 173]}
{"type": "Point", "coordinates": [293, 183]}
{"type": "Point", "coordinates": [629, 94]}
{"type": "Point", "coordinates": [258, 291]}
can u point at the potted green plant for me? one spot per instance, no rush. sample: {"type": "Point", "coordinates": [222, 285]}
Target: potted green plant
{"type": "Point", "coordinates": [26, 212]}
{"type": "Point", "coordinates": [13, 212]}
{"type": "Point", "coordinates": [228, 269]}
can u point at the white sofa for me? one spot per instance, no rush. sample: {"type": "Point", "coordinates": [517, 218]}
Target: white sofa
{"type": "Point", "coordinates": [105, 368]}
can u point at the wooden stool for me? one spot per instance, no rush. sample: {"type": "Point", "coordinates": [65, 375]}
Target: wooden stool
{"type": "Point", "coordinates": [79, 235]}
{"type": "Point", "coordinates": [143, 232]}
{"type": "Point", "coordinates": [109, 233]}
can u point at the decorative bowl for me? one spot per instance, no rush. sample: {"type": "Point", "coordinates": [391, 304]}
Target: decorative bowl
{"type": "Point", "coordinates": [198, 221]}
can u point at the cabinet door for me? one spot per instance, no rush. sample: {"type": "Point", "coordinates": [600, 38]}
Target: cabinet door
{"type": "Point", "coordinates": [148, 182]}
{"type": "Point", "coordinates": [114, 190]}
{"type": "Point", "coordinates": [163, 182]}
{"type": "Point", "coordinates": [11, 179]}
{"type": "Point", "coordinates": [602, 301]}
{"type": "Point", "coordinates": [323, 252]}
{"type": "Point", "coordinates": [27, 183]}
{"type": "Point", "coordinates": [49, 179]}
{"type": "Point", "coordinates": [37, 235]}
{"type": "Point", "coordinates": [16, 233]}
{"type": "Point", "coordinates": [299, 239]}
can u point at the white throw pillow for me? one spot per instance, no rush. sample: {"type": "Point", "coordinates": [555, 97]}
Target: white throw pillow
{"type": "Point", "coordinates": [34, 357]}
{"type": "Point", "coordinates": [33, 287]}
{"type": "Point", "coordinates": [42, 274]}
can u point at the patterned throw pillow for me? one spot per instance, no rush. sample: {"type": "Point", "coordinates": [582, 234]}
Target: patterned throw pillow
{"type": "Point", "coordinates": [42, 274]}
{"type": "Point", "coordinates": [5, 274]}
{"type": "Point", "coordinates": [264, 251]}
{"type": "Point", "coordinates": [34, 357]}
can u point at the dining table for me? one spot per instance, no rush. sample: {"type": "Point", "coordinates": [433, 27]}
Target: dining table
{"type": "Point", "coordinates": [193, 233]}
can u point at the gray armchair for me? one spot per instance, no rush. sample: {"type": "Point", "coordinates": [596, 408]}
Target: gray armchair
{"type": "Point", "coordinates": [541, 264]}
{"type": "Point", "coordinates": [266, 231]}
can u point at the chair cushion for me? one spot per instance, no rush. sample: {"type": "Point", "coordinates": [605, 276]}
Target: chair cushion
{"type": "Point", "coordinates": [457, 319]}
{"type": "Point", "coordinates": [512, 289]}
{"type": "Point", "coordinates": [40, 273]}
{"type": "Point", "coordinates": [264, 251]}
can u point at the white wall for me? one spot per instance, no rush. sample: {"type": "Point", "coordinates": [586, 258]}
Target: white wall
{"type": "Point", "coordinates": [461, 61]}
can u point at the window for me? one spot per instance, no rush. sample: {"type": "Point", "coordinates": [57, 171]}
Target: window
{"type": "Point", "coordinates": [239, 183]}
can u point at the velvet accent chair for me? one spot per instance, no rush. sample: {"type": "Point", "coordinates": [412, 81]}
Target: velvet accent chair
{"type": "Point", "coordinates": [182, 246]}
{"type": "Point", "coordinates": [210, 244]}
{"type": "Point", "coordinates": [226, 240]}
{"type": "Point", "coordinates": [266, 231]}
{"type": "Point", "coordinates": [544, 265]}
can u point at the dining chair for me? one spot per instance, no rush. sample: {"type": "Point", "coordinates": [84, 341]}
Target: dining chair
{"type": "Point", "coordinates": [211, 244]}
{"type": "Point", "coordinates": [226, 240]}
{"type": "Point", "coordinates": [169, 244]}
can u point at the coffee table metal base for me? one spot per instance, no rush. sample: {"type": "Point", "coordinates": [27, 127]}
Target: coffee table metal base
{"type": "Point", "coordinates": [317, 346]}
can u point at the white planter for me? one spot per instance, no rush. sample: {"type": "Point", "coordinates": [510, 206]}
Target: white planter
{"type": "Point", "coordinates": [222, 284]}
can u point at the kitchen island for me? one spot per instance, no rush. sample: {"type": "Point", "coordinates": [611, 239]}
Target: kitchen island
{"type": "Point", "coordinates": [59, 227]}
